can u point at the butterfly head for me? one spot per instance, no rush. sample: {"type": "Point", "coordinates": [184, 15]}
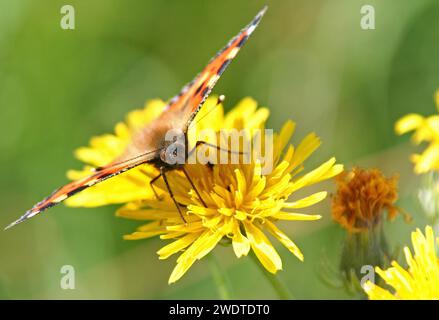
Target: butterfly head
{"type": "Point", "coordinates": [174, 151]}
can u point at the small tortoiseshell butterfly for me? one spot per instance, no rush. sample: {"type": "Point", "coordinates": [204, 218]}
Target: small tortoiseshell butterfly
{"type": "Point", "coordinates": [149, 144]}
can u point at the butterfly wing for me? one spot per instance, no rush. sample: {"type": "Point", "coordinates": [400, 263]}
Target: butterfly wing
{"type": "Point", "coordinates": [70, 189]}
{"type": "Point", "coordinates": [188, 102]}
{"type": "Point", "coordinates": [180, 109]}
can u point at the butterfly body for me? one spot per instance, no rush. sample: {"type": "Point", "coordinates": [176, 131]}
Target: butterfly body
{"type": "Point", "coordinates": [150, 145]}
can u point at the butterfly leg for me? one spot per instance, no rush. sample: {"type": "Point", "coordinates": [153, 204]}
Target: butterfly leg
{"type": "Point", "coordinates": [151, 183]}
{"type": "Point", "coordinates": [163, 174]}
{"type": "Point", "coordinates": [193, 187]}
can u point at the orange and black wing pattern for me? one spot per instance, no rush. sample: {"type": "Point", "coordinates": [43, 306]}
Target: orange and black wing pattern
{"type": "Point", "coordinates": [190, 99]}
{"type": "Point", "coordinates": [182, 107]}
{"type": "Point", "coordinates": [72, 188]}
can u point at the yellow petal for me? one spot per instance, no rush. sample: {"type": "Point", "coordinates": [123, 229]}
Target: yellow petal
{"type": "Point", "coordinates": [428, 130]}
{"type": "Point", "coordinates": [428, 159]}
{"type": "Point", "coordinates": [213, 222]}
{"type": "Point", "coordinates": [177, 245]}
{"type": "Point", "coordinates": [335, 170]}
{"type": "Point", "coordinates": [187, 227]}
{"type": "Point", "coordinates": [129, 186]}
{"type": "Point", "coordinates": [258, 119]}
{"type": "Point", "coordinates": [202, 211]}
{"type": "Point", "coordinates": [137, 119]}
{"type": "Point", "coordinates": [144, 214]}
{"type": "Point", "coordinates": [263, 248]}
{"type": "Point", "coordinates": [240, 215]}
{"type": "Point", "coordinates": [241, 182]}
{"type": "Point", "coordinates": [108, 145]}
{"type": "Point", "coordinates": [241, 245]}
{"type": "Point", "coordinates": [286, 133]}
{"type": "Point", "coordinates": [210, 116]}
{"type": "Point", "coordinates": [172, 235]}
{"type": "Point", "coordinates": [314, 176]}
{"type": "Point", "coordinates": [138, 235]}
{"type": "Point", "coordinates": [408, 123]}
{"type": "Point", "coordinates": [433, 125]}
{"type": "Point", "coordinates": [199, 248]}
{"type": "Point", "coordinates": [279, 172]}
{"type": "Point", "coordinates": [289, 154]}
{"type": "Point", "coordinates": [93, 156]}
{"type": "Point", "coordinates": [377, 293]}
{"type": "Point", "coordinates": [306, 202]}
{"type": "Point", "coordinates": [281, 215]}
{"type": "Point", "coordinates": [308, 145]}
{"type": "Point", "coordinates": [258, 185]}
{"type": "Point", "coordinates": [420, 280]}
{"type": "Point", "coordinates": [79, 174]}
{"type": "Point", "coordinates": [283, 238]}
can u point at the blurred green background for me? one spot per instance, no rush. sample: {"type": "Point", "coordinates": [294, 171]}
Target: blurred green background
{"type": "Point", "coordinates": [309, 61]}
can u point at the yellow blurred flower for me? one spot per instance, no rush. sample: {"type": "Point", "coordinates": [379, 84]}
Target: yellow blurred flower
{"type": "Point", "coordinates": [419, 281]}
{"type": "Point", "coordinates": [242, 204]}
{"type": "Point", "coordinates": [426, 129]}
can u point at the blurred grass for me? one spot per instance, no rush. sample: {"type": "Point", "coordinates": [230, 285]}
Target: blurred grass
{"type": "Point", "coordinates": [308, 60]}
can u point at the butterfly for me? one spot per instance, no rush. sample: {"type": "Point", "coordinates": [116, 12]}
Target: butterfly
{"type": "Point", "coordinates": [149, 146]}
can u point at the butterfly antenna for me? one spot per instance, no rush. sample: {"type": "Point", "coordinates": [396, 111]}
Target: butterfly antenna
{"type": "Point", "coordinates": [220, 100]}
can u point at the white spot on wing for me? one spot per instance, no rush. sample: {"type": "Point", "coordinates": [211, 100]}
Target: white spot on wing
{"type": "Point", "coordinates": [30, 215]}
{"type": "Point", "coordinates": [233, 53]}
{"type": "Point", "coordinates": [251, 29]}
{"type": "Point", "coordinates": [212, 81]}
{"type": "Point", "coordinates": [60, 198]}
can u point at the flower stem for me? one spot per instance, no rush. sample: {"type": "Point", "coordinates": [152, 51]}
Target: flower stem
{"type": "Point", "coordinates": [282, 291]}
{"type": "Point", "coordinates": [219, 277]}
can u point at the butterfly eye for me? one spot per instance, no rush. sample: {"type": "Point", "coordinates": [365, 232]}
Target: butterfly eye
{"type": "Point", "coordinates": [175, 153]}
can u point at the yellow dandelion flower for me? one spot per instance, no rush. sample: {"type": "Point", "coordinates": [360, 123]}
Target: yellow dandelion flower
{"type": "Point", "coordinates": [419, 281]}
{"type": "Point", "coordinates": [426, 129]}
{"type": "Point", "coordinates": [362, 198]}
{"type": "Point", "coordinates": [242, 204]}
